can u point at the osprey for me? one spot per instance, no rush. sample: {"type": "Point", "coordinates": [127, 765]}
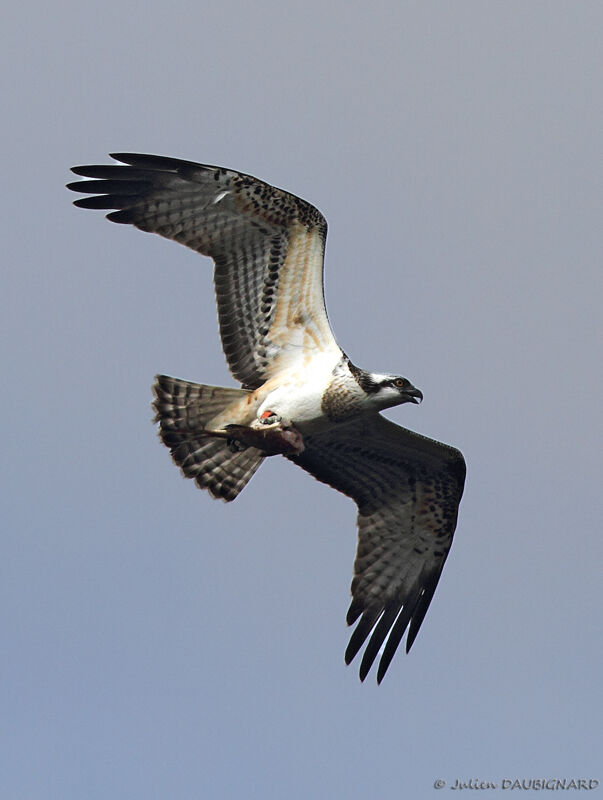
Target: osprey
{"type": "Point", "coordinates": [300, 394]}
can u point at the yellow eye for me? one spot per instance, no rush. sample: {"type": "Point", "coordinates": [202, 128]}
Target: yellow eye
{"type": "Point", "coordinates": [399, 382]}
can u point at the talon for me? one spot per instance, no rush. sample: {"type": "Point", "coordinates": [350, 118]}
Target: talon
{"type": "Point", "coordinates": [235, 446]}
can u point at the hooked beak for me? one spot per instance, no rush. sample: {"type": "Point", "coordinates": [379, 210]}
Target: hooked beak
{"type": "Point", "coordinates": [413, 395]}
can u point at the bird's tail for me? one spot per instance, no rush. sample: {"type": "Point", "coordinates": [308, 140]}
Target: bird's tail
{"type": "Point", "coordinates": [182, 411]}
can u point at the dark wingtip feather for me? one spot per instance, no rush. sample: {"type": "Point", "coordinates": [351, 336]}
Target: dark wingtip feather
{"type": "Point", "coordinates": [113, 172]}
{"type": "Point", "coordinates": [138, 159]}
{"type": "Point", "coordinates": [108, 186]}
{"type": "Point", "coordinates": [76, 186]}
{"type": "Point", "coordinates": [361, 633]}
{"type": "Point", "coordinates": [96, 170]}
{"type": "Point", "coordinates": [364, 669]}
{"type": "Point", "coordinates": [349, 654]}
{"type": "Point", "coordinates": [99, 201]}
{"type": "Point", "coordinates": [354, 611]}
{"type": "Point", "coordinates": [105, 201]}
{"type": "Point", "coordinates": [124, 217]}
{"type": "Point", "coordinates": [412, 635]}
{"type": "Point", "coordinates": [152, 162]}
{"type": "Point", "coordinates": [81, 170]}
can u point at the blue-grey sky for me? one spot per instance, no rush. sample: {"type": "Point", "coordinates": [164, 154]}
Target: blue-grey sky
{"type": "Point", "coordinates": [161, 644]}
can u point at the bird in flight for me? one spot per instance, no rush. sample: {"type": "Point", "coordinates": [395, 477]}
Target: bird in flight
{"type": "Point", "coordinates": [300, 394]}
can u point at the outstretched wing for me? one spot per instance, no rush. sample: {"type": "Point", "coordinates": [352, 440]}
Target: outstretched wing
{"type": "Point", "coordinates": [408, 489]}
{"type": "Point", "coordinates": [267, 245]}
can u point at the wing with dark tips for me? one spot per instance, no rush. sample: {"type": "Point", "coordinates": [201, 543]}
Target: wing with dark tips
{"type": "Point", "coordinates": [267, 245]}
{"type": "Point", "coordinates": [408, 489]}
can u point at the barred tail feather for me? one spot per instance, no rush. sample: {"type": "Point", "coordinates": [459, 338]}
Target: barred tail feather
{"type": "Point", "coordinates": [213, 466]}
{"type": "Point", "coordinates": [183, 406]}
{"type": "Point", "coordinates": [182, 411]}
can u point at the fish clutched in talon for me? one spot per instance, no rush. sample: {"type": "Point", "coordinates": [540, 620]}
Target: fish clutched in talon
{"type": "Point", "coordinates": [272, 441]}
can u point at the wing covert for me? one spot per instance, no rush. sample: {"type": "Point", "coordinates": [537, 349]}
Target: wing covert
{"type": "Point", "coordinates": [267, 245]}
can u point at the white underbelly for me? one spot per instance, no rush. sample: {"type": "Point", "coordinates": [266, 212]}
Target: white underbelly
{"type": "Point", "coordinates": [299, 406]}
{"type": "Point", "coordinates": [298, 400]}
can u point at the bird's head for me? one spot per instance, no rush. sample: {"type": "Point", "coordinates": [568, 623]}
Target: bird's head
{"type": "Point", "coordinates": [384, 391]}
{"type": "Point", "coordinates": [390, 390]}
